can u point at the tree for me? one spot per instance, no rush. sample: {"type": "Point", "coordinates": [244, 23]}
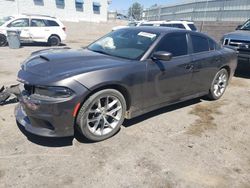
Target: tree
{"type": "Point", "coordinates": [135, 11]}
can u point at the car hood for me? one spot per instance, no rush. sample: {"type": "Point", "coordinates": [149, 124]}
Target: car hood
{"type": "Point", "coordinates": [239, 35]}
{"type": "Point", "coordinates": [63, 63]}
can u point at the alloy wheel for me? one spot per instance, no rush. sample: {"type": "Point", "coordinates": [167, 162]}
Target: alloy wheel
{"type": "Point", "coordinates": [220, 83]}
{"type": "Point", "coordinates": [104, 115]}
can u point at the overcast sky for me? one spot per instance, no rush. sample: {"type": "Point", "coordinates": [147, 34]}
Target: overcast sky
{"type": "Point", "coordinates": [123, 5]}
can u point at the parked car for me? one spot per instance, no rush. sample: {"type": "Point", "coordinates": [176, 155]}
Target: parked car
{"type": "Point", "coordinates": [239, 40]}
{"type": "Point", "coordinates": [126, 73]}
{"type": "Point", "coordinates": [130, 24]}
{"type": "Point", "coordinates": [188, 25]}
{"type": "Point", "coordinates": [33, 28]}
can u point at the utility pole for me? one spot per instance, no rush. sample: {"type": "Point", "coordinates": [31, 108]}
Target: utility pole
{"type": "Point", "coordinates": [17, 3]}
{"type": "Point", "coordinates": [205, 14]}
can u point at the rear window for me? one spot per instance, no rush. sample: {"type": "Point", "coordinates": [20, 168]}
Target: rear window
{"type": "Point", "coordinates": [166, 25]}
{"type": "Point", "coordinates": [180, 26]}
{"type": "Point", "coordinates": [51, 23]}
{"type": "Point", "coordinates": [200, 44]}
{"type": "Point", "coordinates": [192, 27]}
{"type": "Point", "coordinates": [37, 23]}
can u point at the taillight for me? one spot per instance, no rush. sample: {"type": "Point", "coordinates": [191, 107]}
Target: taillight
{"type": "Point", "coordinates": [64, 28]}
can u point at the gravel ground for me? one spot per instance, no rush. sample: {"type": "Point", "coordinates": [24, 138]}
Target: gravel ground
{"type": "Point", "coordinates": [197, 143]}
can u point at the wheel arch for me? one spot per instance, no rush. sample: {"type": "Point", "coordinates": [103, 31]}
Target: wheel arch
{"type": "Point", "coordinates": [122, 89]}
{"type": "Point", "coordinates": [227, 68]}
{"type": "Point", "coordinates": [56, 36]}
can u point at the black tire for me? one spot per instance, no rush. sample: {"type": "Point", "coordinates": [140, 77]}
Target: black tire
{"type": "Point", "coordinates": [82, 121]}
{"type": "Point", "coordinates": [213, 94]}
{"type": "Point", "coordinates": [54, 40]}
{"type": "Point", "coordinates": [3, 40]}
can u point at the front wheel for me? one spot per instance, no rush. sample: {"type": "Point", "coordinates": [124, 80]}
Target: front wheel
{"type": "Point", "coordinates": [101, 115]}
{"type": "Point", "coordinates": [219, 84]}
{"type": "Point", "coordinates": [3, 40]}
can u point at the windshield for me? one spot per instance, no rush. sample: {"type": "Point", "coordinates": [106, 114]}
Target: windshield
{"type": "Point", "coordinates": [4, 19]}
{"type": "Point", "coordinates": [125, 43]}
{"type": "Point", "coordinates": [246, 26]}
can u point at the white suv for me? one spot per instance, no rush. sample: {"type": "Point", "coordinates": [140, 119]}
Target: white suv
{"type": "Point", "coordinates": [33, 28]}
{"type": "Point", "coordinates": [188, 25]}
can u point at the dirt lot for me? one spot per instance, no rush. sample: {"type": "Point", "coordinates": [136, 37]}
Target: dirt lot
{"type": "Point", "coordinates": [198, 143]}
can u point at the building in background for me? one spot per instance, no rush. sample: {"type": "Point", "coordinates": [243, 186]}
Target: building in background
{"type": "Point", "coordinates": [66, 10]}
{"type": "Point", "coordinates": [201, 10]}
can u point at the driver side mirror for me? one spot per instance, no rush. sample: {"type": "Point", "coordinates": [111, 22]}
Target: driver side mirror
{"type": "Point", "coordinates": [238, 27]}
{"type": "Point", "coordinates": [162, 55]}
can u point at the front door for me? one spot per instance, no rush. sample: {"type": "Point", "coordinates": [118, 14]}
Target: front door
{"type": "Point", "coordinates": [169, 81]}
{"type": "Point", "coordinates": [21, 25]}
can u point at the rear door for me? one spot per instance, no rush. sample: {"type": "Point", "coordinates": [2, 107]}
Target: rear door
{"type": "Point", "coordinates": [168, 81]}
{"type": "Point", "coordinates": [206, 60]}
{"type": "Point", "coordinates": [38, 30]}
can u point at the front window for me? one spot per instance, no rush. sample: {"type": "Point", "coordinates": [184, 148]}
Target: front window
{"type": "Point", "coordinates": [4, 20]}
{"type": "Point", "coordinates": [20, 23]}
{"type": "Point", "coordinates": [125, 43]}
{"type": "Point", "coordinates": [176, 44]}
{"type": "Point", "coordinates": [246, 26]}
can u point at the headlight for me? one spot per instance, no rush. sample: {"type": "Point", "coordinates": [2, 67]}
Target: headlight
{"type": "Point", "coordinates": [55, 92]}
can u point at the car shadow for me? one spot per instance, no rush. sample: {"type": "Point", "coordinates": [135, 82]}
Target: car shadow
{"type": "Point", "coordinates": [68, 141]}
{"type": "Point", "coordinates": [46, 141]}
{"type": "Point", "coordinates": [39, 44]}
{"type": "Point", "coordinates": [130, 122]}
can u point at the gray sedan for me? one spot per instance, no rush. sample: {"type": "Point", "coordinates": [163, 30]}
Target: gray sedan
{"type": "Point", "coordinates": [125, 74]}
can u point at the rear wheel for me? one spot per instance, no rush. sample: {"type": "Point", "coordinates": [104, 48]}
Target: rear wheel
{"type": "Point", "coordinates": [3, 40]}
{"type": "Point", "coordinates": [54, 41]}
{"type": "Point", "coordinates": [101, 115]}
{"type": "Point", "coordinates": [219, 85]}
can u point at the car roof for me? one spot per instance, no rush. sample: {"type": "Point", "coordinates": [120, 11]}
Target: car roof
{"type": "Point", "coordinates": [165, 30]}
{"type": "Point", "coordinates": [33, 16]}
{"type": "Point", "coordinates": [168, 21]}
{"type": "Point", "coordinates": [155, 29]}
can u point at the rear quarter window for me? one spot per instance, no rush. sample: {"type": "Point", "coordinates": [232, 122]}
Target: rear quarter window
{"type": "Point", "coordinates": [51, 23]}
{"type": "Point", "coordinates": [200, 44]}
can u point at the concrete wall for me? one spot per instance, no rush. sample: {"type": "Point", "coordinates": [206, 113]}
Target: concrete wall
{"type": "Point", "coordinates": [201, 10]}
{"type": "Point", "coordinates": [217, 29]}
{"type": "Point", "coordinates": [88, 32]}
{"type": "Point", "coordinates": [49, 7]}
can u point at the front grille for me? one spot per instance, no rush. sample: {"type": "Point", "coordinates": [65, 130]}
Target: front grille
{"type": "Point", "coordinates": [237, 43]}
{"type": "Point", "coordinates": [29, 89]}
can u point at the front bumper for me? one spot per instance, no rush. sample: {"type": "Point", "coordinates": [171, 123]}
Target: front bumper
{"type": "Point", "coordinates": [47, 118]}
{"type": "Point", "coordinates": [24, 120]}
